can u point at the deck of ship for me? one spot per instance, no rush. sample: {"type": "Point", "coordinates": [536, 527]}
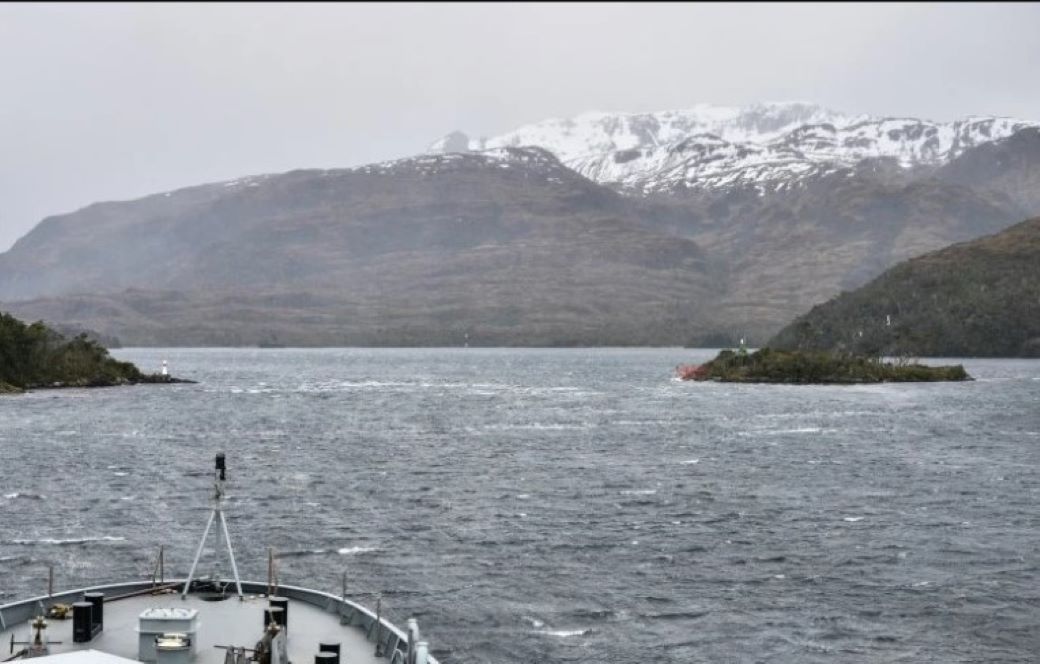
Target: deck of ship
{"type": "Point", "coordinates": [314, 617]}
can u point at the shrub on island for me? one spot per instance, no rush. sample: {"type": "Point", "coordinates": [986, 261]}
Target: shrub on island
{"type": "Point", "coordinates": [814, 367]}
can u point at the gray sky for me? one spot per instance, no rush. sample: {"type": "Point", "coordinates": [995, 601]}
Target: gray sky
{"type": "Point", "coordinates": [104, 102]}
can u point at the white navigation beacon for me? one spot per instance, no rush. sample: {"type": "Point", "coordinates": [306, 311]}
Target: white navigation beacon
{"type": "Point", "coordinates": [165, 371]}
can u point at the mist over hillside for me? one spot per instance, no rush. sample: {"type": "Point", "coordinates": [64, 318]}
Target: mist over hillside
{"type": "Point", "coordinates": [537, 245]}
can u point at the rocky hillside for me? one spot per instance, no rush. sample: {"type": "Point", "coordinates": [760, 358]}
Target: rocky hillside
{"type": "Point", "coordinates": [979, 298]}
{"type": "Point", "coordinates": [507, 247]}
{"type": "Point", "coordinates": [789, 251]}
{"type": "Point", "coordinates": [1009, 167]}
{"type": "Point", "coordinates": [301, 228]}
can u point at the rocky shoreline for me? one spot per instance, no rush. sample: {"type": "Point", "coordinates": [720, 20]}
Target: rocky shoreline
{"type": "Point", "coordinates": [152, 379]}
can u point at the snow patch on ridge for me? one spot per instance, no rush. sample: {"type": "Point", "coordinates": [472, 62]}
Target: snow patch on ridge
{"type": "Point", "coordinates": [534, 159]}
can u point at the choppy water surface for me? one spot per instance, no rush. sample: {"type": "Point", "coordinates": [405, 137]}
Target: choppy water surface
{"type": "Point", "coordinates": [560, 505]}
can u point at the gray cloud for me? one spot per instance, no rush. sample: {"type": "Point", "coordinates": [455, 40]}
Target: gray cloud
{"type": "Point", "coordinates": [106, 102]}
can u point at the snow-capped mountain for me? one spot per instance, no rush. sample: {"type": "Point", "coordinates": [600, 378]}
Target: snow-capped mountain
{"type": "Point", "coordinates": [766, 146]}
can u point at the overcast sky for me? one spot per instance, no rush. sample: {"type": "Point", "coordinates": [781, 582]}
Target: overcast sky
{"type": "Point", "coordinates": [103, 102]}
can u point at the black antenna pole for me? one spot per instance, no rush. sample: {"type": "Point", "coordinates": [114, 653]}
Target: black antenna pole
{"type": "Point", "coordinates": [220, 476]}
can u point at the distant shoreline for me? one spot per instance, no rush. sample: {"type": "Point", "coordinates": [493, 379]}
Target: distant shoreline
{"type": "Point", "coordinates": [681, 349]}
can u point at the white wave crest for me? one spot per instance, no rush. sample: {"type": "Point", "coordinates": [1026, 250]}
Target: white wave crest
{"type": "Point", "coordinates": [71, 540]}
{"type": "Point", "coordinates": [354, 550]}
{"type": "Point", "coordinates": [563, 633]}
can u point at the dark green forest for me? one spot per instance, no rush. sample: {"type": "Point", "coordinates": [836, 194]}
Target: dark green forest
{"type": "Point", "coordinates": [35, 356]}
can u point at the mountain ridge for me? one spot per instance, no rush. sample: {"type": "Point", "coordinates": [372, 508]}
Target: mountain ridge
{"type": "Point", "coordinates": [508, 245]}
{"type": "Point", "coordinates": [511, 248]}
{"type": "Point", "coordinates": [767, 146]}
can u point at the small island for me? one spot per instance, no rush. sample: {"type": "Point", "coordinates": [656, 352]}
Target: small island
{"type": "Point", "coordinates": [36, 357]}
{"type": "Point", "coordinates": [813, 368]}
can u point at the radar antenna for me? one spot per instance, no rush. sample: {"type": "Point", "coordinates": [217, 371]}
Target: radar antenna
{"type": "Point", "coordinates": [219, 477]}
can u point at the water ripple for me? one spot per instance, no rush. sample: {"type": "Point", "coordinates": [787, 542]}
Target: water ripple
{"type": "Point", "coordinates": [559, 505]}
